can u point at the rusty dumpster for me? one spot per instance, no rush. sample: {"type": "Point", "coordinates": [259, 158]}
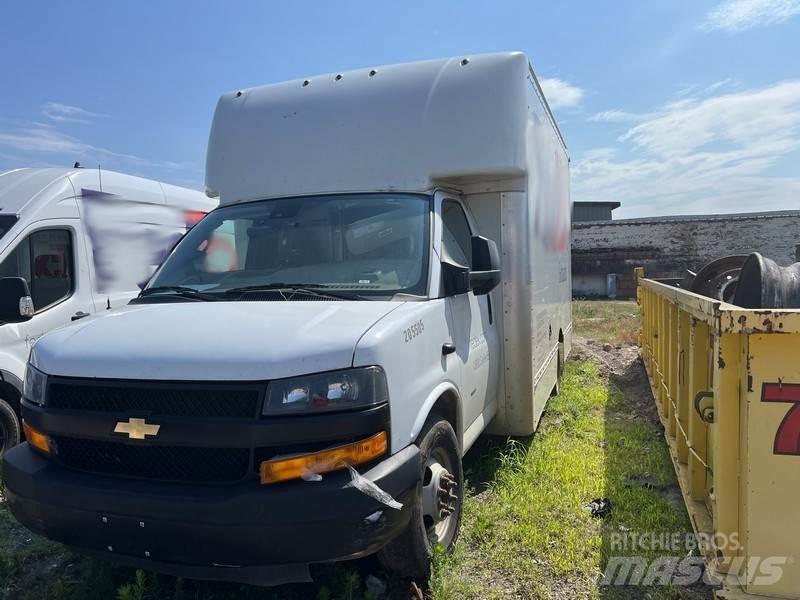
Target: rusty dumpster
{"type": "Point", "coordinates": [726, 381]}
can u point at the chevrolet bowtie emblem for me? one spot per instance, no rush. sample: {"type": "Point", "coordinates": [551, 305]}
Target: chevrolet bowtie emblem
{"type": "Point", "coordinates": [137, 429]}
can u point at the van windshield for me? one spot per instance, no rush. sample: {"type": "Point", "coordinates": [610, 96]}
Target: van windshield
{"type": "Point", "coordinates": [6, 223]}
{"type": "Point", "coordinates": [364, 244]}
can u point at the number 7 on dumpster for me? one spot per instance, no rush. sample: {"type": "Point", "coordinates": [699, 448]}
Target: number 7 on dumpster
{"type": "Point", "coordinates": [787, 438]}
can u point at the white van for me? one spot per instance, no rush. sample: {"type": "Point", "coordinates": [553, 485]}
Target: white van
{"type": "Point", "coordinates": [75, 241]}
{"type": "Point", "coordinates": [388, 275]}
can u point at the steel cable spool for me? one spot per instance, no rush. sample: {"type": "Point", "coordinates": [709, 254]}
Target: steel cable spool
{"type": "Point", "coordinates": [765, 284]}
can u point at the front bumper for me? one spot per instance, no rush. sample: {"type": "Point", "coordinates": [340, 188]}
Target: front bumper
{"type": "Point", "coordinates": [244, 532]}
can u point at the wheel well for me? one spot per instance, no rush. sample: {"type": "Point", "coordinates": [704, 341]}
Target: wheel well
{"type": "Point", "coordinates": [446, 406]}
{"type": "Point", "coordinates": [10, 394]}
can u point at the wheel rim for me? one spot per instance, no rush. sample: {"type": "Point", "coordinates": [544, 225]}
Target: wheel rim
{"type": "Point", "coordinates": [439, 498]}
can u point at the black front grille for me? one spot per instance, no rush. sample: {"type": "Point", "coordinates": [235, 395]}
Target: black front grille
{"type": "Point", "coordinates": [168, 399]}
{"type": "Point", "coordinates": [164, 463]}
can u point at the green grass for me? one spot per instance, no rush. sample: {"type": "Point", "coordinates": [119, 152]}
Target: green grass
{"type": "Point", "coordinates": [607, 321]}
{"type": "Point", "coordinates": [529, 534]}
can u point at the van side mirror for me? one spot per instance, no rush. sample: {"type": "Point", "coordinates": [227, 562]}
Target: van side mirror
{"type": "Point", "coordinates": [16, 304]}
{"type": "Point", "coordinates": [486, 273]}
{"type": "Point", "coordinates": [455, 278]}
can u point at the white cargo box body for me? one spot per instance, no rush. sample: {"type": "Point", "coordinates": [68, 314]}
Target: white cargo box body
{"type": "Point", "coordinates": [408, 127]}
{"type": "Point", "coordinates": [475, 125]}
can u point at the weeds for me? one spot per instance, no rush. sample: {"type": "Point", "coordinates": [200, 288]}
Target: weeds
{"type": "Point", "coordinates": [136, 590]}
{"type": "Point", "coordinates": [607, 321]}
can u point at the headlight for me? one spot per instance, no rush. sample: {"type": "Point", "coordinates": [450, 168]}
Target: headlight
{"type": "Point", "coordinates": [325, 392]}
{"type": "Point", "coordinates": [35, 384]}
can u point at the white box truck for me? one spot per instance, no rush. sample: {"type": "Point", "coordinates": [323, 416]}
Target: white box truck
{"type": "Point", "coordinates": [74, 242]}
{"type": "Point", "coordinates": [388, 275]}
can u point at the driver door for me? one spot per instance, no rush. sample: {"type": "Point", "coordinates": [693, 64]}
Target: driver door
{"type": "Point", "coordinates": [473, 325]}
{"type": "Point", "coordinates": [49, 259]}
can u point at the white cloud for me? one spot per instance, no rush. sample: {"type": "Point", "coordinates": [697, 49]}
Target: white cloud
{"type": "Point", "coordinates": [710, 89]}
{"type": "Point", "coordinates": [37, 138]}
{"type": "Point", "coordinates": [41, 139]}
{"type": "Point", "coordinates": [701, 156]}
{"type": "Point", "coordinates": [561, 94]}
{"type": "Point", "coordinates": [616, 116]}
{"type": "Point", "coordinates": [64, 113]}
{"type": "Point", "coordinates": [598, 154]}
{"type": "Point", "coordinates": [743, 119]}
{"type": "Point", "coordinates": [739, 15]}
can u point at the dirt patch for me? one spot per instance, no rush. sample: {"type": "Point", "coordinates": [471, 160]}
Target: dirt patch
{"type": "Point", "coordinates": [622, 367]}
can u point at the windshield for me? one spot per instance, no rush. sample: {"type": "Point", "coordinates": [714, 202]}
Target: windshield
{"type": "Point", "coordinates": [6, 223]}
{"type": "Point", "coordinates": [370, 244]}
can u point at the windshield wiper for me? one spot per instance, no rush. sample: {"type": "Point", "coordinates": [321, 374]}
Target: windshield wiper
{"type": "Point", "coordinates": [317, 289]}
{"type": "Point", "coordinates": [176, 290]}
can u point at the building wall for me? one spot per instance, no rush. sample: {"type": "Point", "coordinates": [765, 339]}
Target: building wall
{"type": "Point", "coordinates": [589, 285]}
{"type": "Point", "coordinates": [594, 211]}
{"type": "Point", "coordinates": [667, 247]}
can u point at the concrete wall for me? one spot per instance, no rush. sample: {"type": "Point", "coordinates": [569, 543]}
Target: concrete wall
{"type": "Point", "coordinates": [666, 246]}
{"type": "Point", "coordinates": [589, 285]}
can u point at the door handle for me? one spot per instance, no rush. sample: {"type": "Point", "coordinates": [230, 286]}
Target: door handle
{"type": "Point", "coordinates": [79, 315]}
{"type": "Point", "coordinates": [448, 348]}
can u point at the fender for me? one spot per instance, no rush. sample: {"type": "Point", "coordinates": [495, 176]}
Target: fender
{"type": "Point", "coordinates": [427, 406]}
{"type": "Point", "coordinates": [10, 380]}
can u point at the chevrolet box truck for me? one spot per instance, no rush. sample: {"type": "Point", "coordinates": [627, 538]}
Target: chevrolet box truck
{"type": "Point", "coordinates": [387, 277]}
{"type": "Point", "coordinates": [74, 242]}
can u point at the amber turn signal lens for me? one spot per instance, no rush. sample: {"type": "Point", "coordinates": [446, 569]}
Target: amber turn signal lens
{"type": "Point", "coordinates": [36, 438]}
{"type": "Point", "coordinates": [333, 459]}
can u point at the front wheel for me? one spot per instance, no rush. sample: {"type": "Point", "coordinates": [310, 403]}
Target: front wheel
{"type": "Point", "coordinates": [9, 427]}
{"type": "Point", "coordinates": [437, 503]}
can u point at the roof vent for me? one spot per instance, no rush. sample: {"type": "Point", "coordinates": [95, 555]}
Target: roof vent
{"type": "Point", "coordinates": [338, 77]}
{"type": "Point", "coordinates": [372, 73]}
{"type": "Point", "coordinates": [306, 82]}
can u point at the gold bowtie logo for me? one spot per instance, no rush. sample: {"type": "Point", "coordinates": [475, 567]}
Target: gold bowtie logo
{"type": "Point", "coordinates": [137, 429]}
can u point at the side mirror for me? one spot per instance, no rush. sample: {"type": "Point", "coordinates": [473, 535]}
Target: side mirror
{"type": "Point", "coordinates": [16, 304]}
{"type": "Point", "coordinates": [486, 272]}
{"type": "Point", "coordinates": [455, 278]}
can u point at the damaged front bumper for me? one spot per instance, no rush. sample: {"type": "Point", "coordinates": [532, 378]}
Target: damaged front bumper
{"type": "Point", "coordinates": [246, 532]}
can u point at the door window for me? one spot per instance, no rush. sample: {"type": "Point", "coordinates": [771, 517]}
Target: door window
{"type": "Point", "coordinates": [457, 236]}
{"type": "Point", "coordinates": [44, 260]}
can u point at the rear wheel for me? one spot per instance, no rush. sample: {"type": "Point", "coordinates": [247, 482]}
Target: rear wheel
{"type": "Point", "coordinates": [437, 504]}
{"type": "Point", "coordinates": [9, 427]}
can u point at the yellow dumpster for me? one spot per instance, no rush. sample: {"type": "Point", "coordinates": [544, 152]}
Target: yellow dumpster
{"type": "Point", "coordinates": [726, 381]}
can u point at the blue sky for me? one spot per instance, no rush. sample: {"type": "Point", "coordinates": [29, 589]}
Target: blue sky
{"type": "Point", "coordinates": [668, 106]}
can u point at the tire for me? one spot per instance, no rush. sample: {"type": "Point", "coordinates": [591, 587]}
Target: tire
{"type": "Point", "coordinates": [409, 554]}
{"type": "Point", "coordinates": [9, 427]}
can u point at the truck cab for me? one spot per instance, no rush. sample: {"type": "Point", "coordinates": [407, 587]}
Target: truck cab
{"type": "Point", "coordinates": [387, 277]}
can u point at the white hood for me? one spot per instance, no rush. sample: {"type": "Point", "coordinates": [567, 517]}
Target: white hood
{"type": "Point", "coordinates": [211, 341]}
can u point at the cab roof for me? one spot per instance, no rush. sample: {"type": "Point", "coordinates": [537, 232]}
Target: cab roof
{"type": "Point", "coordinates": [37, 187]}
